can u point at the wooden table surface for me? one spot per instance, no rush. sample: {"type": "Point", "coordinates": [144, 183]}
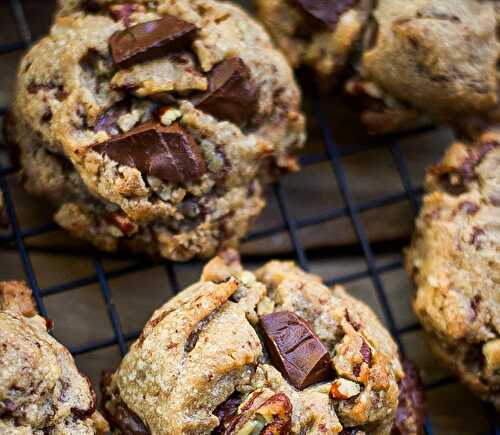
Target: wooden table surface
{"type": "Point", "coordinates": [80, 315]}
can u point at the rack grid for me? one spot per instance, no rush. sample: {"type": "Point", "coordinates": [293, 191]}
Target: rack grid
{"type": "Point", "coordinates": [350, 209]}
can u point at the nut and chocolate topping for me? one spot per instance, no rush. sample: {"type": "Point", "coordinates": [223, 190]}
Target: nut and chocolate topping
{"type": "Point", "coordinates": [327, 11]}
{"type": "Point", "coordinates": [295, 349]}
{"type": "Point", "coordinates": [169, 153]}
{"type": "Point", "coordinates": [231, 93]}
{"type": "Point", "coordinates": [147, 41]}
{"type": "Point", "coordinates": [272, 417]}
{"type": "Point", "coordinates": [182, 182]}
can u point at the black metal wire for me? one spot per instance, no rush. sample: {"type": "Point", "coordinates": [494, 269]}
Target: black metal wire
{"type": "Point", "coordinates": [290, 225]}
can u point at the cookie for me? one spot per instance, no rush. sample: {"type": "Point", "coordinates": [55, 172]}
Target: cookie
{"type": "Point", "coordinates": [455, 262]}
{"type": "Point", "coordinates": [427, 58]}
{"type": "Point", "coordinates": [41, 390]}
{"type": "Point", "coordinates": [322, 35]}
{"type": "Point", "coordinates": [273, 351]}
{"type": "Point", "coordinates": [150, 124]}
{"type": "Point", "coordinates": [405, 62]}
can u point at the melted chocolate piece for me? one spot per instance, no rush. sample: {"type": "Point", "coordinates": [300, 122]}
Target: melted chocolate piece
{"type": "Point", "coordinates": [7, 407]}
{"type": "Point", "coordinates": [169, 153]}
{"type": "Point", "coordinates": [127, 421]}
{"type": "Point", "coordinates": [150, 40]}
{"type": "Point", "coordinates": [327, 11]}
{"type": "Point", "coordinates": [295, 349]}
{"type": "Point", "coordinates": [276, 411]}
{"type": "Point", "coordinates": [410, 413]}
{"type": "Point", "coordinates": [82, 413]}
{"type": "Point", "coordinates": [231, 93]}
{"type": "Point", "coordinates": [468, 168]}
{"type": "Point", "coordinates": [474, 304]}
{"type": "Point", "coordinates": [226, 411]}
{"type": "Point", "coordinates": [367, 353]}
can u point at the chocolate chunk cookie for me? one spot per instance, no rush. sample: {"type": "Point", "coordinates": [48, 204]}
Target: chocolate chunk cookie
{"type": "Point", "coordinates": [41, 390]}
{"type": "Point", "coordinates": [428, 57]}
{"type": "Point", "coordinates": [455, 262]}
{"type": "Point", "coordinates": [273, 351]}
{"type": "Point", "coordinates": [406, 61]}
{"type": "Point", "coordinates": [150, 124]}
{"type": "Point", "coordinates": [322, 34]}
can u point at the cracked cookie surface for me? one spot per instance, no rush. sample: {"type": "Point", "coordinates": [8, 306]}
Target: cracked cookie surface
{"type": "Point", "coordinates": [455, 262]}
{"type": "Point", "coordinates": [203, 363]}
{"type": "Point", "coordinates": [157, 145]}
{"type": "Point", "coordinates": [41, 390]}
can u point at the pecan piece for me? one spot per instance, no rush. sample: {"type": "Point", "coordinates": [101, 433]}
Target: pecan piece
{"type": "Point", "coordinates": [272, 417]}
{"type": "Point", "coordinates": [122, 221]}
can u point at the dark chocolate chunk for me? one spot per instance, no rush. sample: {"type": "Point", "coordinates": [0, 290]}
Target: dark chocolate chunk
{"type": "Point", "coordinates": [231, 92]}
{"type": "Point", "coordinates": [226, 411]}
{"type": "Point", "coordinates": [7, 407]}
{"type": "Point", "coordinates": [84, 413]}
{"type": "Point", "coordinates": [474, 304]}
{"type": "Point", "coordinates": [295, 349]}
{"type": "Point", "coordinates": [468, 168]}
{"type": "Point", "coordinates": [476, 236]}
{"type": "Point", "coordinates": [169, 153]}
{"type": "Point", "coordinates": [127, 421]}
{"type": "Point", "coordinates": [354, 324]}
{"type": "Point", "coordinates": [327, 11]}
{"type": "Point", "coordinates": [367, 353]}
{"type": "Point", "coordinates": [47, 115]}
{"type": "Point", "coordinates": [150, 40]}
{"type": "Point", "coordinates": [410, 413]}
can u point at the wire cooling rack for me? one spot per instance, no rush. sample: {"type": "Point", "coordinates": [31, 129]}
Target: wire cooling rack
{"type": "Point", "coordinates": [332, 154]}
